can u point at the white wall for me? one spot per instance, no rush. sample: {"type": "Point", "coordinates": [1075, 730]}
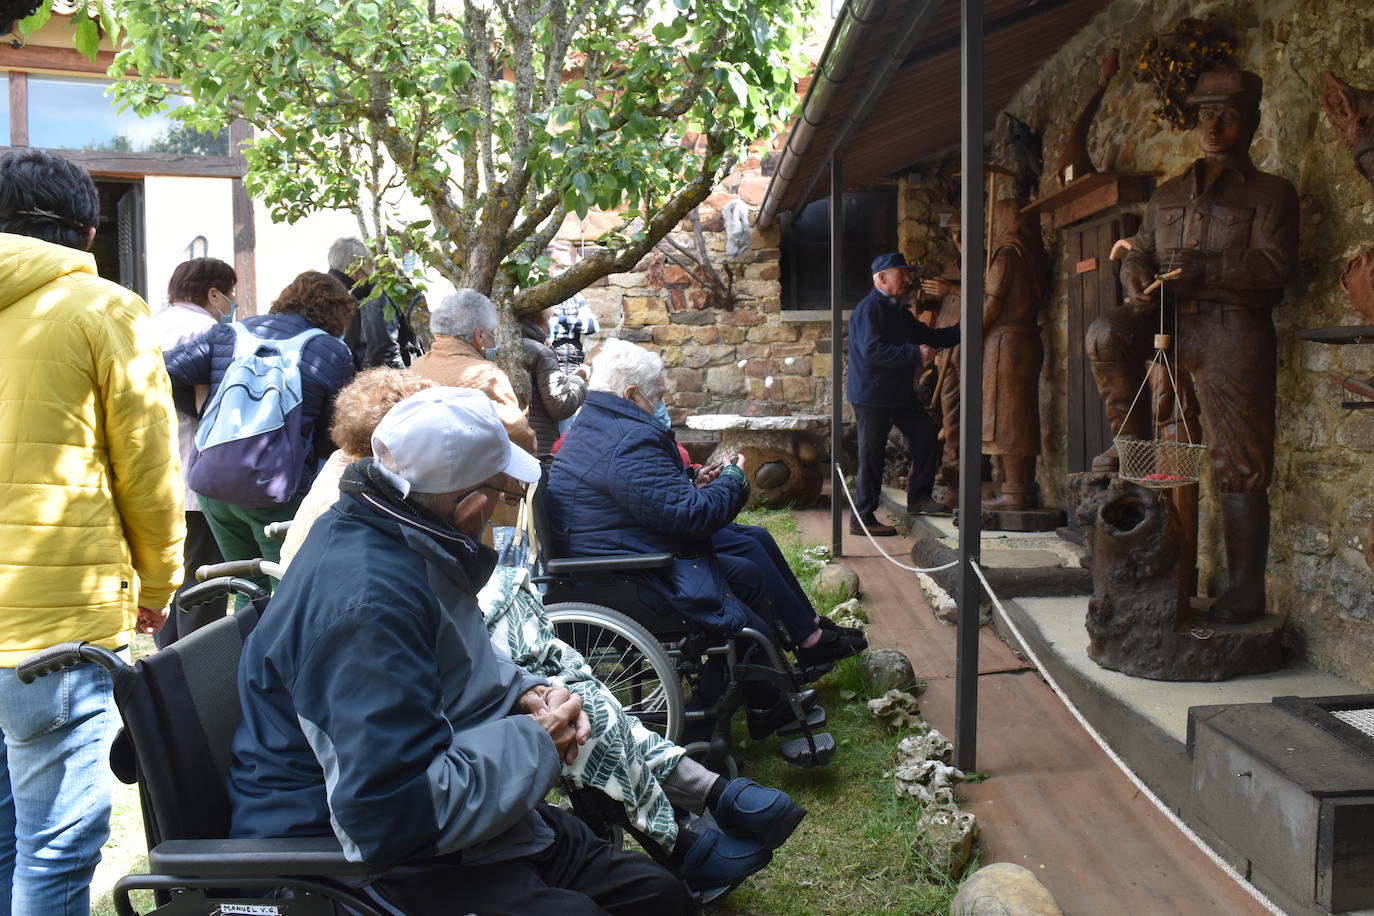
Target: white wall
{"type": "Point", "coordinates": [176, 210]}
{"type": "Point", "coordinates": [284, 251]}
{"type": "Point", "coordinates": [179, 209]}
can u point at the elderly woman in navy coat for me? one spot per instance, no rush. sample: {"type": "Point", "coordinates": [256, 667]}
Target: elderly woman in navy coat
{"type": "Point", "coordinates": [620, 486]}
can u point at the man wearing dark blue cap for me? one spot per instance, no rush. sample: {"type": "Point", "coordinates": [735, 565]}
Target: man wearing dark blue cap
{"type": "Point", "coordinates": [884, 354]}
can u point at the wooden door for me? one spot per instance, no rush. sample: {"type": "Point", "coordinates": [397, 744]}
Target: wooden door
{"type": "Point", "coordinates": [1093, 291]}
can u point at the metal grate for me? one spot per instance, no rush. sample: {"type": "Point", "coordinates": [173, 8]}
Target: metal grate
{"type": "Point", "coordinates": [1363, 719]}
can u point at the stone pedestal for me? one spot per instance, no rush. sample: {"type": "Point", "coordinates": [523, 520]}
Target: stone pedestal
{"type": "Point", "coordinates": [1022, 519]}
{"type": "Point", "coordinates": [783, 456]}
{"type": "Point", "coordinates": [1141, 620]}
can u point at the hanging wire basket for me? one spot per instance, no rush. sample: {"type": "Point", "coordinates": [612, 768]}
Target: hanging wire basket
{"type": "Point", "coordinates": [1158, 463]}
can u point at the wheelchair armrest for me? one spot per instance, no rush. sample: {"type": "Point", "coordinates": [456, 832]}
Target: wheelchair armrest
{"type": "Point", "coordinates": [252, 858]}
{"type": "Point", "coordinates": [571, 566]}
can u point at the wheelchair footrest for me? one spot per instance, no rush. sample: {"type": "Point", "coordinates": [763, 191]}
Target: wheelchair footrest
{"type": "Point", "coordinates": [813, 752]}
{"type": "Point", "coordinates": [815, 718]}
{"type": "Point", "coordinates": [809, 675]}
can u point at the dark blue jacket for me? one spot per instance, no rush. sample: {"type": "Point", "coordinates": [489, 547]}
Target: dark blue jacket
{"type": "Point", "coordinates": [326, 366]}
{"type": "Point", "coordinates": [374, 706]}
{"type": "Point", "coordinates": [618, 486]}
{"type": "Point", "coordinates": [885, 351]}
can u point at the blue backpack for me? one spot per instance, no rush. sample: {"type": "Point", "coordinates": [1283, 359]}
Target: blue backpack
{"type": "Point", "coordinates": [249, 448]}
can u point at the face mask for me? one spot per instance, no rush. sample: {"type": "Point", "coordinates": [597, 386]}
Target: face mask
{"type": "Point", "coordinates": [228, 317]}
{"type": "Point", "coordinates": [490, 353]}
{"type": "Point", "coordinates": [661, 415]}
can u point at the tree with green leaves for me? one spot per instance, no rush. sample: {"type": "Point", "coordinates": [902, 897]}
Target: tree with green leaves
{"type": "Point", "coordinates": [495, 119]}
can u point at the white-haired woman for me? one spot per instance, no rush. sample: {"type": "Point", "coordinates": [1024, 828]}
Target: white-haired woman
{"type": "Point", "coordinates": [620, 486]}
{"type": "Point", "coordinates": [464, 326]}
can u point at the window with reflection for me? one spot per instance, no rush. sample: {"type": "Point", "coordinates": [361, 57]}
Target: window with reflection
{"type": "Point", "coordinates": [77, 113]}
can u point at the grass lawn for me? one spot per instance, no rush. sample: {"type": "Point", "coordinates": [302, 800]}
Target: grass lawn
{"type": "Point", "coordinates": [854, 853]}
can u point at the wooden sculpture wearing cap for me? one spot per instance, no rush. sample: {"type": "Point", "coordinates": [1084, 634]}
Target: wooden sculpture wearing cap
{"type": "Point", "coordinates": [1231, 232]}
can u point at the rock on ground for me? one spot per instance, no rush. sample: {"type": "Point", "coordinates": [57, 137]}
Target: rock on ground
{"type": "Point", "coordinates": [853, 608]}
{"type": "Point", "coordinates": [836, 578]}
{"type": "Point", "coordinates": [886, 669]}
{"type": "Point", "coordinates": [1003, 889]}
{"type": "Point", "coordinates": [944, 838]}
{"type": "Point", "coordinates": [897, 710]}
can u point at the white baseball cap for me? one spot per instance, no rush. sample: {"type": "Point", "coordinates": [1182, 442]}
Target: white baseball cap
{"type": "Point", "coordinates": [443, 440]}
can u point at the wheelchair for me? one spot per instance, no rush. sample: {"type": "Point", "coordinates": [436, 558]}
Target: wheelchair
{"type": "Point", "coordinates": [654, 660]}
{"type": "Point", "coordinates": [180, 708]}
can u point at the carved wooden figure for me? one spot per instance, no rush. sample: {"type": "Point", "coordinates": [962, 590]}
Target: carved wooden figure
{"type": "Point", "coordinates": [1013, 354]}
{"type": "Point", "coordinates": [1351, 110]}
{"type": "Point", "coordinates": [1230, 232]}
{"type": "Point", "coordinates": [1076, 161]}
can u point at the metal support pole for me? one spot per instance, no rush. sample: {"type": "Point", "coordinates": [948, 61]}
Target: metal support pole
{"type": "Point", "coordinates": [837, 350]}
{"type": "Point", "coordinates": [970, 388]}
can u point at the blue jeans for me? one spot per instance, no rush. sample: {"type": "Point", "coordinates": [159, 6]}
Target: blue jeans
{"type": "Point", "coordinates": [55, 787]}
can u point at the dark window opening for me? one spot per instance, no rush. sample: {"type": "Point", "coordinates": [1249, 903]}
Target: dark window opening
{"type": "Point", "coordinates": [870, 229]}
{"type": "Point", "coordinates": [119, 244]}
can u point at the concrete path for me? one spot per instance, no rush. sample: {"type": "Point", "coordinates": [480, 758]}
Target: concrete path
{"type": "Point", "coordinates": [1054, 802]}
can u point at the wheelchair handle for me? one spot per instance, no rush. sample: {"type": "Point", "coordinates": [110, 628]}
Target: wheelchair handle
{"type": "Point", "coordinates": [246, 569]}
{"type": "Point", "coordinates": [63, 656]}
{"type": "Point", "coordinates": [208, 591]}
{"type": "Point", "coordinates": [277, 529]}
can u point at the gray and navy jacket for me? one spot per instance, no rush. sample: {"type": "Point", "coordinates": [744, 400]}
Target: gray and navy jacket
{"type": "Point", "coordinates": [374, 706]}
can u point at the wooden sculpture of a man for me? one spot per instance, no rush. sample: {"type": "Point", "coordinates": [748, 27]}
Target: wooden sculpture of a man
{"type": "Point", "coordinates": [1017, 281]}
{"type": "Point", "coordinates": [1231, 232]}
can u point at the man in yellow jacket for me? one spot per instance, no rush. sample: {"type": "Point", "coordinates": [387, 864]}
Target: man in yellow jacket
{"type": "Point", "coordinates": [91, 524]}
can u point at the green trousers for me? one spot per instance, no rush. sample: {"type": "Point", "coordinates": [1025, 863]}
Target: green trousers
{"type": "Point", "coordinates": [238, 530]}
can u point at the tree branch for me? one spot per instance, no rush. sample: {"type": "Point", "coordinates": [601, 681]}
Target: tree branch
{"type": "Point", "coordinates": [593, 267]}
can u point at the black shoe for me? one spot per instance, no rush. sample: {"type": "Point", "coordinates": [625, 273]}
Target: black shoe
{"type": "Point", "coordinates": [875, 528]}
{"type": "Point", "coordinates": [831, 647]}
{"type": "Point", "coordinates": [929, 507]}
{"type": "Point", "coordinates": [852, 632]}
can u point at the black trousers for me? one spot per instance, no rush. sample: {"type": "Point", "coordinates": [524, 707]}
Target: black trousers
{"type": "Point", "coordinates": [922, 439]}
{"type": "Point", "coordinates": [200, 550]}
{"type": "Point", "coordinates": [578, 875]}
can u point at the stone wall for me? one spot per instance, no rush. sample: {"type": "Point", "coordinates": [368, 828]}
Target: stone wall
{"type": "Point", "coordinates": [1323, 492]}
{"type": "Point", "coordinates": [739, 357]}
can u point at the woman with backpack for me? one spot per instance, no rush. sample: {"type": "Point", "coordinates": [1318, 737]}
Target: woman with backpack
{"type": "Point", "coordinates": [265, 425]}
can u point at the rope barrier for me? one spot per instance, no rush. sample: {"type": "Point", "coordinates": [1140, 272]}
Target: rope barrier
{"type": "Point", "coordinates": [839, 478]}
{"type": "Point", "coordinates": [1093, 733]}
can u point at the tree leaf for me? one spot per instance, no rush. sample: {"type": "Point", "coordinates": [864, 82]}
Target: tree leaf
{"type": "Point", "coordinates": [36, 20]}
{"type": "Point", "coordinates": [87, 38]}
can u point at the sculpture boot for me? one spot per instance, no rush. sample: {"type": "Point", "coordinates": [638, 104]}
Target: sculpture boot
{"type": "Point", "coordinates": [1018, 490]}
{"type": "Point", "coordinates": [1245, 525]}
{"type": "Point", "coordinates": [1117, 382]}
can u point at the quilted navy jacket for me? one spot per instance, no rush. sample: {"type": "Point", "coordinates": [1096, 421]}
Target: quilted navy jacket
{"type": "Point", "coordinates": [618, 486]}
{"type": "Point", "coordinates": [326, 366]}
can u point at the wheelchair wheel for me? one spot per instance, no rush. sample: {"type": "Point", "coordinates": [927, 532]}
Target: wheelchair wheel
{"type": "Point", "coordinates": [628, 659]}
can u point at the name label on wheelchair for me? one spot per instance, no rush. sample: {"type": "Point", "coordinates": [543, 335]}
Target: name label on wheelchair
{"type": "Point", "coordinates": [248, 909]}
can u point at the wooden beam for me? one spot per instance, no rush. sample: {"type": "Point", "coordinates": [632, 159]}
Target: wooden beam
{"type": "Point", "coordinates": [245, 230]}
{"type": "Point", "coordinates": [19, 109]}
{"type": "Point", "coordinates": [62, 60]}
{"type": "Point", "coordinates": [110, 164]}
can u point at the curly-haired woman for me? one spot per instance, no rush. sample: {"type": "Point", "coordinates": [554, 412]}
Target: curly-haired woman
{"type": "Point", "coordinates": [312, 300]}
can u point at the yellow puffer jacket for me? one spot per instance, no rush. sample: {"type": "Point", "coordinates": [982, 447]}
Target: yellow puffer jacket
{"type": "Point", "coordinates": [91, 518]}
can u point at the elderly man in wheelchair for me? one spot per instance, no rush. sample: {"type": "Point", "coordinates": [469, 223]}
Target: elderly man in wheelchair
{"type": "Point", "coordinates": [375, 715]}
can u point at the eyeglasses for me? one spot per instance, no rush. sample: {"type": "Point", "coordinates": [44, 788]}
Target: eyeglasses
{"type": "Point", "coordinates": [509, 497]}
